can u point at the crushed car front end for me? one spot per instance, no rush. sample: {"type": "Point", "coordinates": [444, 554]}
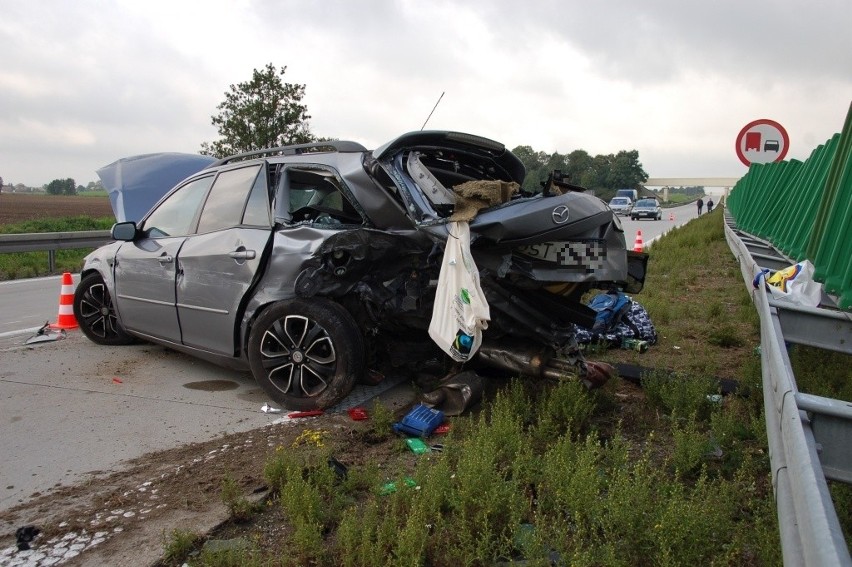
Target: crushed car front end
{"type": "Point", "coordinates": [537, 254]}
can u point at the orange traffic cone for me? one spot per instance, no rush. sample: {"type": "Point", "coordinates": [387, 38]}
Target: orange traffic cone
{"type": "Point", "coordinates": [671, 216]}
{"type": "Point", "coordinates": [637, 244]}
{"type": "Point", "coordinates": [66, 319]}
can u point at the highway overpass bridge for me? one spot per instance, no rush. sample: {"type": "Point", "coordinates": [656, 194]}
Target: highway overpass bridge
{"type": "Point", "coordinates": [724, 183]}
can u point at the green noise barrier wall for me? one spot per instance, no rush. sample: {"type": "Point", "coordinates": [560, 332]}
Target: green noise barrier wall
{"type": "Point", "coordinates": [805, 210]}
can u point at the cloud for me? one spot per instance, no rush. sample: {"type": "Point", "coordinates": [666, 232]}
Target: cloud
{"type": "Point", "coordinates": [85, 83]}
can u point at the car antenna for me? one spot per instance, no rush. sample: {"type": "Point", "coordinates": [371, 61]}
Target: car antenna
{"type": "Point", "coordinates": [433, 110]}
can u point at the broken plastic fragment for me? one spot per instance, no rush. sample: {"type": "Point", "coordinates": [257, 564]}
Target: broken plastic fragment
{"type": "Point", "coordinates": [390, 487]}
{"type": "Point", "coordinates": [442, 429]}
{"type": "Point", "coordinates": [357, 414]}
{"type": "Point", "coordinates": [420, 421]}
{"type": "Point", "coordinates": [46, 334]}
{"type": "Point", "coordinates": [309, 413]}
{"type": "Point", "coordinates": [269, 409]}
{"type": "Point", "coordinates": [417, 446]}
{"type": "Point", "coordinates": [117, 380]}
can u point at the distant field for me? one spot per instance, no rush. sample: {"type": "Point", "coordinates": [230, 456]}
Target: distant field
{"type": "Point", "coordinates": [18, 207]}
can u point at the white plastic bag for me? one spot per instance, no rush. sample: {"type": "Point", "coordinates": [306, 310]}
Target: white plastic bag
{"type": "Point", "coordinates": [460, 313]}
{"type": "Point", "coordinates": [796, 284]}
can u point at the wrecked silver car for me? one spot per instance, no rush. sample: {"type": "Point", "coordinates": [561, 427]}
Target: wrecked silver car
{"type": "Point", "coordinates": [316, 265]}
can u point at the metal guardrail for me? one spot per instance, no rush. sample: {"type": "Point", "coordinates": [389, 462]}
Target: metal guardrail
{"type": "Point", "coordinates": [53, 241]}
{"type": "Point", "coordinates": [809, 436]}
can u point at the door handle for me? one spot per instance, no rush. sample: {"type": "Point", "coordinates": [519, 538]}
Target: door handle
{"type": "Point", "coordinates": [242, 254]}
{"type": "Point", "coordinates": [163, 260]}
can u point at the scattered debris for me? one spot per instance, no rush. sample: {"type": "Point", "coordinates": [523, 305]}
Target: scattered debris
{"type": "Point", "coordinates": [117, 380]}
{"type": "Point", "coordinates": [46, 334]}
{"type": "Point", "coordinates": [634, 344]}
{"type": "Point", "coordinates": [357, 414]}
{"type": "Point", "coordinates": [25, 535]}
{"type": "Point", "coordinates": [417, 446]}
{"type": "Point", "coordinates": [309, 413]}
{"type": "Point", "coordinates": [269, 409]}
{"type": "Point", "coordinates": [390, 487]}
{"type": "Point", "coordinates": [420, 421]}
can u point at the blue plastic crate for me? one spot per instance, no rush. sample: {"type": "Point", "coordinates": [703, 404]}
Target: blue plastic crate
{"type": "Point", "coordinates": [420, 421]}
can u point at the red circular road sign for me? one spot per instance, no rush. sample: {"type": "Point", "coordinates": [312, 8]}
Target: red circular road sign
{"type": "Point", "coordinates": [762, 141]}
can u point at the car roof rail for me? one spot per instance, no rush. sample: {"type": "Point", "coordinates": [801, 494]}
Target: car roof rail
{"type": "Point", "coordinates": [340, 146]}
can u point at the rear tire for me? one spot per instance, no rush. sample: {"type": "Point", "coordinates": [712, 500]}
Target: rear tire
{"type": "Point", "coordinates": [96, 315]}
{"type": "Point", "coordinates": [306, 354]}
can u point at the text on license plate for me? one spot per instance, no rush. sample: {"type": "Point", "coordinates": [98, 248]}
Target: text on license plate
{"type": "Point", "coordinates": [577, 253]}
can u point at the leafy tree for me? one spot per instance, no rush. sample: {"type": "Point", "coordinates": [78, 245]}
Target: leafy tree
{"type": "Point", "coordinates": [61, 187]}
{"type": "Point", "coordinates": [626, 171]}
{"type": "Point", "coordinates": [264, 112]}
{"type": "Point", "coordinates": [535, 164]}
{"type": "Point", "coordinates": [602, 173]}
{"type": "Point", "coordinates": [579, 161]}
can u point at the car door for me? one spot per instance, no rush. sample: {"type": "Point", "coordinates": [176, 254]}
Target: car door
{"type": "Point", "coordinates": [218, 264]}
{"type": "Point", "coordinates": [312, 204]}
{"type": "Point", "coordinates": [145, 269]}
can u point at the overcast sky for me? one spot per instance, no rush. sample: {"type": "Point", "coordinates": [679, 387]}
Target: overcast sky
{"type": "Point", "coordinates": [87, 82]}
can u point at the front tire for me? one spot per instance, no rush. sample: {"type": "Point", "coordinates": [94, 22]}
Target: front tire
{"type": "Point", "coordinates": [96, 314]}
{"type": "Point", "coordinates": [306, 354]}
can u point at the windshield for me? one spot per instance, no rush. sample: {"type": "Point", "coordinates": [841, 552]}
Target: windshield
{"type": "Point", "coordinates": [619, 201]}
{"type": "Point", "coordinates": [646, 203]}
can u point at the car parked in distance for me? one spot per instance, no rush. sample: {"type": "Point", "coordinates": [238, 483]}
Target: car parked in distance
{"type": "Point", "coordinates": [647, 209]}
{"type": "Point", "coordinates": [621, 205]}
{"type": "Point", "coordinates": [316, 266]}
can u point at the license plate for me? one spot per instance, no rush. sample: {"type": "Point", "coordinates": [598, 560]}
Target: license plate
{"type": "Point", "coordinates": [589, 253]}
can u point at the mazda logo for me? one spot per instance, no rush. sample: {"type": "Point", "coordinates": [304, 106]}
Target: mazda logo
{"type": "Point", "coordinates": [560, 214]}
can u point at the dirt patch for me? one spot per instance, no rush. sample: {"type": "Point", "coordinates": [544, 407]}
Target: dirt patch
{"type": "Point", "coordinates": [122, 518]}
{"type": "Point", "coordinates": [20, 207]}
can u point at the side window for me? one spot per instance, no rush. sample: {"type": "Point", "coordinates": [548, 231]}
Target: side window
{"type": "Point", "coordinates": [175, 215]}
{"type": "Point", "coordinates": [227, 199]}
{"type": "Point", "coordinates": [315, 196]}
{"type": "Point", "coordinates": [257, 208]}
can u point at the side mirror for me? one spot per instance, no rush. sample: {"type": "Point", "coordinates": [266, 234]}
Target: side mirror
{"type": "Point", "coordinates": [124, 231]}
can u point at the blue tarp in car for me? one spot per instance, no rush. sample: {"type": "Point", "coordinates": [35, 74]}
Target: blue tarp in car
{"type": "Point", "coordinates": [136, 183]}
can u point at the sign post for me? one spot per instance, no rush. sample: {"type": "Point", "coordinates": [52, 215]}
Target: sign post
{"type": "Point", "coordinates": [762, 141]}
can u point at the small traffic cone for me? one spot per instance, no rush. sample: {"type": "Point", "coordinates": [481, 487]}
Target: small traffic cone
{"type": "Point", "coordinates": [671, 216]}
{"type": "Point", "coordinates": [66, 319]}
{"type": "Point", "coordinates": [637, 244]}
